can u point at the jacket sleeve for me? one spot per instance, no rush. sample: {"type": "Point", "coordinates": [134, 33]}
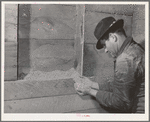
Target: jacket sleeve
{"type": "Point", "coordinates": [106, 86]}
{"type": "Point", "coordinates": [121, 97]}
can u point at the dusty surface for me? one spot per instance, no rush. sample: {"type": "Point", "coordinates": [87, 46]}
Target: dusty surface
{"type": "Point", "coordinates": [54, 75]}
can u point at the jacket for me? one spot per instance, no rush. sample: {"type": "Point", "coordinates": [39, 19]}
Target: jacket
{"type": "Point", "coordinates": [126, 93]}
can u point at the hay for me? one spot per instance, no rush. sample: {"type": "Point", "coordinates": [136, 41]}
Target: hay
{"type": "Point", "coordinates": [54, 75]}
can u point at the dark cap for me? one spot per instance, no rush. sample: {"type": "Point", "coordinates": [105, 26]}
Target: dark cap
{"type": "Point", "coordinates": [104, 26]}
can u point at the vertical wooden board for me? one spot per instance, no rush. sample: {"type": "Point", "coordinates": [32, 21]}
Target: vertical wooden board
{"type": "Point", "coordinates": [10, 73]}
{"type": "Point", "coordinates": [117, 9]}
{"type": "Point", "coordinates": [57, 104]}
{"type": "Point", "coordinates": [11, 16]}
{"type": "Point", "coordinates": [91, 23]}
{"type": "Point", "coordinates": [97, 64]}
{"type": "Point", "coordinates": [52, 22]}
{"type": "Point", "coordinates": [11, 11]}
{"type": "Point", "coordinates": [24, 58]}
{"type": "Point", "coordinates": [24, 20]}
{"type": "Point", "coordinates": [10, 32]}
{"type": "Point", "coordinates": [138, 26]}
{"type": "Point", "coordinates": [23, 40]}
{"type": "Point", "coordinates": [139, 12]}
{"type": "Point", "coordinates": [10, 62]}
{"type": "Point", "coordinates": [79, 39]}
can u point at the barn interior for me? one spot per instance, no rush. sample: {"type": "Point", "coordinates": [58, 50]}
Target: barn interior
{"type": "Point", "coordinates": [47, 45]}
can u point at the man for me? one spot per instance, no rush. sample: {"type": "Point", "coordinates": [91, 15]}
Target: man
{"type": "Point", "coordinates": [127, 92]}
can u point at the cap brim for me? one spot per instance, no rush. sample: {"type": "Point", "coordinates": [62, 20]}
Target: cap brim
{"type": "Point", "coordinates": [118, 24]}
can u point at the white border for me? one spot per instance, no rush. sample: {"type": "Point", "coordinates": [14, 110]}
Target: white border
{"type": "Point", "coordinates": [73, 117]}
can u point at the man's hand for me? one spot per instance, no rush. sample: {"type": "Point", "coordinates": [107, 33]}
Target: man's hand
{"type": "Point", "coordinates": [82, 89]}
{"type": "Point", "coordinates": [87, 82]}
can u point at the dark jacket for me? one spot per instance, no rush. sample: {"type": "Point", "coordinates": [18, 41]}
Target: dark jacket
{"type": "Point", "coordinates": [127, 92]}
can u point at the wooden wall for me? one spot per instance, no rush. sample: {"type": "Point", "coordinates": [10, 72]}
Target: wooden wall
{"type": "Point", "coordinates": [11, 13]}
{"type": "Point", "coordinates": [138, 27]}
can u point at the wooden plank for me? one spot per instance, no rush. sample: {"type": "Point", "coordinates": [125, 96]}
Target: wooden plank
{"type": "Point", "coordinates": [24, 20]}
{"type": "Point", "coordinates": [79, 39]}
{"type": "Point", "coordinates": [138, 27]}
{"type": "Point", "coordinates": [91, 23]}
{"type": "Point", "coordinates": [24, 58]}
{"type": "Point", "coordinates": [57, 104]}
{"type": "Point", "coordinates": [10, 73]}
{"type": "Point", "coordinates": [139, 12]}
{"type": "Point", "coordinates": [65, 13]}
{"type": "Point", "coordinates": [22, 89]}
{"type": "Point", "coordinates": [10, 46]}
{"type": "Point", "coordinates": [11, 32]}
{"type": "Point", "coordinates": [117, 9]}
{"type": "Point", "coordinates": [11, 11]}
{"type": "Point", "coordinates": [10, 62]}
{"type": "Point", "coordinates": [50, 28]}
{"type": "Point", "coordinates": [52, 22]}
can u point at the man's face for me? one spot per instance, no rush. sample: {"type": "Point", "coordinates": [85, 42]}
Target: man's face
{"type": "Point", "coordinates": [110, 46]}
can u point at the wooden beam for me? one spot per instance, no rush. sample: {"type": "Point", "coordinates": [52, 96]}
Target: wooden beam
{"type": "Point", "coordinates": [22, 89]}
{"type": "Point", "coordinates": [57, 104]}
{"type": "Point", "coordinates": [79, 39]}
{"type": "Point", "coordinates": [112, 9]}
{"type": "Point", "coordinates": [10, 62]}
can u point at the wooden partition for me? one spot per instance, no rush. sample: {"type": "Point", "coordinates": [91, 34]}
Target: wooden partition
{"type": "Point", "coordinates": [11, 14]}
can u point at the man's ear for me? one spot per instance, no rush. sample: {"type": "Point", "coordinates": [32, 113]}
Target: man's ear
{"type": "Point", "coordinates": [113, 37]}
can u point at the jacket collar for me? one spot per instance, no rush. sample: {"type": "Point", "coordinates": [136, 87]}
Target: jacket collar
{"type": "Point", "coordinates": [125, 44]}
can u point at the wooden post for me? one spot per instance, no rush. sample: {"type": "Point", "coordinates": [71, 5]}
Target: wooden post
{"type": "Point", "coordinates": [79, 38]}
{"type": "Point", "coordinates": [10, 62]}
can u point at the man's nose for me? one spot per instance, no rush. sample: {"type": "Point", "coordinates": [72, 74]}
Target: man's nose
{"type": "Point", "coordinates": [106, 51]}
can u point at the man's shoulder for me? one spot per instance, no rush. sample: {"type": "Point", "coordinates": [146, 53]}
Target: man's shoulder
{"type": "Point", "coordinates": [133, 51]}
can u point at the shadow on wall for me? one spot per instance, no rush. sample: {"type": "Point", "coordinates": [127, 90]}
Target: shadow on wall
{"type": "Point", "coordinates": [89, 60]}
{"type": "Point", "coordinates": [23, 40]}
